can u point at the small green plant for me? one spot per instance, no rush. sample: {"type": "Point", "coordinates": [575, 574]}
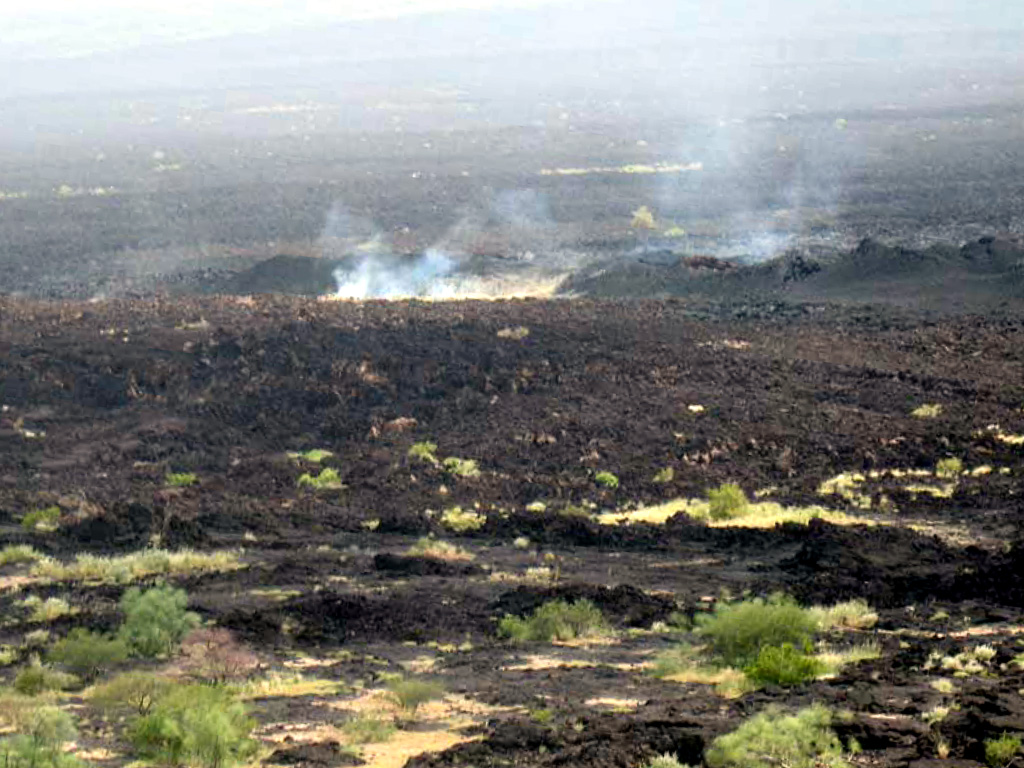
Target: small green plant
{"type": "Point", "coordinates": [607, 479]}
{"type": "Point", "coordinates": [197, 725]}
{"type": "Point", "coordinates": [665, 761]}
{"type": "Point", "coordinates": [87, 654]}
{"type": "Point", "coordinates": [181, 479]}
{"type": "Point", "coordinates": [130, 692]}
{"type": "Point", "coordinates": [313, 456]}
{"type": "Point", "coordinates": [462, 521]}
{"type": "Point", "coordinates": [737, 632]}
{"type": "Point", "coordinates": [772, 738]}
{"type": "Point", "coordinates": [18, 553]}
{"type": "Point", "coordinates": [35, 679]}
{"type": "Point", "coordinates": [950, 468]}
{"type": "Point", "coordinates": [542, 716]}
{"type": "Point", "coordinates": [368, 729]}
{"type": "Point", "coordinates": [784, 665]}
{"type": "Point", "coordinates": [461, 467]}
{"type": "Point", "coordinates": [327, 480]}
{"type": "Point", "coordinates": [425, 452]}
{"type": "Point", "coordinates": [155, 620]}
{"type": "Point", "coordinates": [42, 519]}
{"type": "Point", "coordinates": [727, 501]}
{"type": "Point", "coordinates": [927, 411]}
{"type": "Point", "coordinates": [409, 694]}
{"type": "Point", "coordinates": [666, 475]}
{"type": "Point", "coordinates": [556, 620]}
{"type": "Point", "coordinates": [1000, 752]}
{"type": "Point", "coordinates": [50, 609]}
{"type": "Point", "coordinates": [438, 549]}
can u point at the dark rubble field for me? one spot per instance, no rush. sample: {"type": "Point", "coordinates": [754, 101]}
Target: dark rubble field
{"type": "Point", "coordinates": [801, 404]}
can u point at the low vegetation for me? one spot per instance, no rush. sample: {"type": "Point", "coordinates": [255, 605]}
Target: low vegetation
{"type": "Point", "coordinates": [50, 609]}
{"type": "Point", "coordinates": [313, 456]}
{"type": "Point", "coordinates": [804, 739]}
{"type": "Point", "coordinates": [40, 734]}
{"type": "Point", "coordinates": [466, 468]}
{"type": "Point", "coordinates": [556, 620]}
{"type": "Point", "coordinates": [43, 520]}
{"type": "Point", "coordinates": [607, 480]}
{"type": "Point", "coordinates": [125, 569]}
{"type": "Point", "coordinates": [462, 520]}
{"type": "Point", "coordinates": [927, 411]}
{"type": "Point", "coordinates": [409, 694]}
{"type": "Point", "coordinates": [727, 501]}
{"type": "Point", "coordinates": [181, 479]}
{"type": "Point", "coordinates": [88, 654]}
{"type": "Point", "coordinates": [368, 729]}
{"type": "Point", "coordinates": [1000, 752]}
{"type": "Point", "coordinates": [14, 554]}
{"type": "Point", "coordinates": [327, 480]}
{"type": "Point", "coordinates": [737, 632]}
{"type": "Point", "coordinates": [439, 549]}
{"type": "Point", "coordinates": [425, 452]}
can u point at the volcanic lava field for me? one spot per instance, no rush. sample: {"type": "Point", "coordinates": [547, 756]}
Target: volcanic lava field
{"type": "Point", "coordinates": [482, 458]}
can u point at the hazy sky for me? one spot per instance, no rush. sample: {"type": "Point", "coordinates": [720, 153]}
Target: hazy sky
{"type": "Point", "coordinates": [77, 27]}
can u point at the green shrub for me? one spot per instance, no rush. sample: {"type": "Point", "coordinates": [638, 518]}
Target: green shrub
{"type": "Point", "coordinates": [607, 479]}
{"type": "Point", "coordinates": [737, 632]}
{"type": "Point", "coordinates": [426, 452]}
{"type": "Point", "coordinates": [196, 725]}
{"type": "Point", "coordinates": [556, 620]}
{"type": "Point", "coordinates": [1000, 752]}
{"type": "Point", "coordinates": [35, 678]}
{"type": "Point", "coordinates": [18, 553]}
{"type": "Point", "coordinates": [134, 692]}
{"type": "Point", "coordinates": [461, 467]}
{"type": "Point", "coordinates": [785, 666]}
{"type": "Point", "coordinates": [87, 654]}
{"type": "Point", "coordinates": [327, 480]}
{"type": "Point", "coordinates": [41, 519]}
{"type": "Point", "coordinates": [727, 501]}
{"type": "Point", "coordinates": [181, 479]}
{"type": "Point", "coordinates": [368, 729]}
{"type": "Point", "coordinates": [950, 468]}
{"type": "Point", "coordinates": [772, 739]}
{"type": "Point", "coordinates": [410, 694]}
{"type": "Point", "coordinates": [155, 620]}
{"type": "Point", "coordinates": [42, 733]}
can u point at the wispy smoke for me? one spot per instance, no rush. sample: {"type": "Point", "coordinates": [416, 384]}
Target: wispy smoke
{"type": "Point", "coordinates": [384, 276]}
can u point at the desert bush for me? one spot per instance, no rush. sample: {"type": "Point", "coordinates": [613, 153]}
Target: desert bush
{"type": "Point", "coordinates": [327, 480]}
{"type": "Point", "coordinates": [368, 729]}
{"type": "Point", "coordinates": [137, 565]}
{"type": "Point", "coordinates": [772, 738]}
{"type": "Point", "coordinates": [214, 655]}
{"type": "Point", "coordinates": [556, 620]}
{"type": "Point", "coordinates": [949, 468]}
{"type": "Point", "coordinates": [87, 654]}
{"type": "Point", "coordinates": [461, 467]}
{"type": "Point", "coordinates": [438, 549]}
{"type": "Point", "coordinates": [666, 475]}
{"type": "Point", "coordinates": [665, 761]}
{"type": "Point", "coordinates": [1000, 752]}
{"type": "Point", "coordinates": [784, 665]}
{"type": "Point", "coordinates": [181, 479]}
{"type": "Point", "coordinates": [50, 609]}
{"type": "Point", "coordinates": [927, 411]}
{"type": "Point", "coordinates": [41, 519]}
{"type": "Point", "coordinates": [18, 553]}
{"type": "Point", "coordinates": [134, 692]}
{"type": "Point", "coordinates": [155, 620]}
{"type": "Point", "coordinates": [607, 479]}
{"type": "Point", "coordinates": [461, 521]}
{"type": "Point", "coordinates": [726, 501]}
{"type": "Point", "coordinates": [196, 725]}
{"type": "Point", "coordinates": [40, 740]}
{"type": "Point", "coordinates": [737, 632]}
{"type": "Point", "coordinates": [35, 678]}
{"type": "Point", "coordinates": [852, 614]}
{"type": "Point", "coordinates": [409, 694]}
{"type": "Point", "coordinates": [425, 452]}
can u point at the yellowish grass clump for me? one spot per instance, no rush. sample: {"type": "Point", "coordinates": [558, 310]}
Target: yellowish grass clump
{"type": "Point", "coordinates": [439, 549]}
{"type": "Point", "coordinates": [124, 569]}
{"type": "Point", "coordinates": [760, 514]}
